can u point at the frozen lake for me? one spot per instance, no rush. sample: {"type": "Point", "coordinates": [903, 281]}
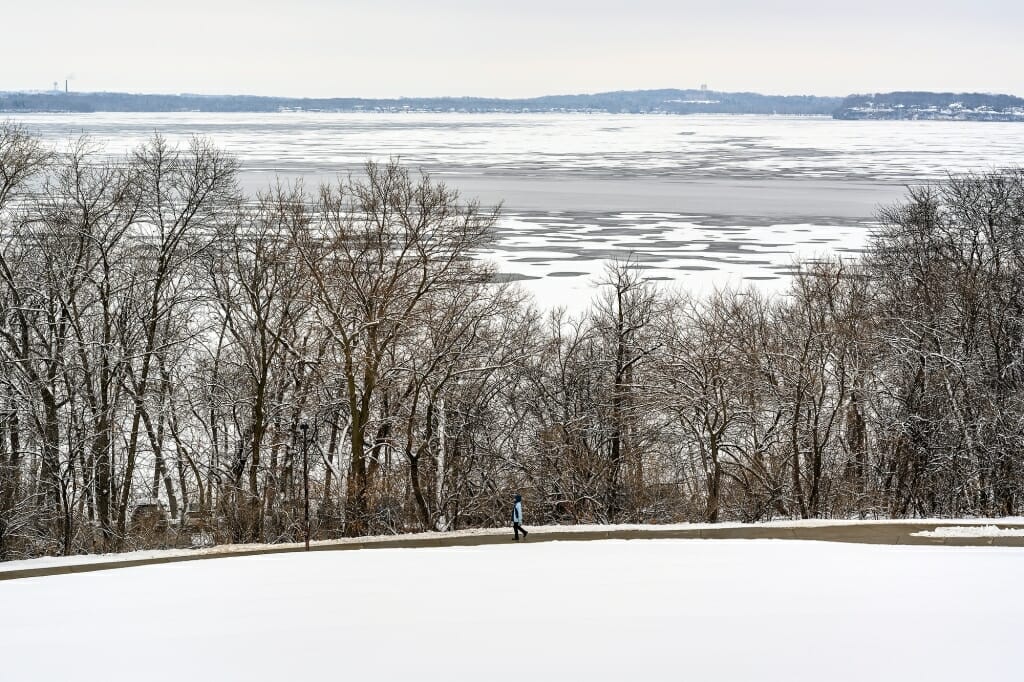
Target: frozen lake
{"type": "Point", "coordinates": [696, 200]}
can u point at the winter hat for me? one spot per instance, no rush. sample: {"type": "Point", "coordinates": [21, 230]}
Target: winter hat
{"type": "Point", "coordinates": [519, 498]}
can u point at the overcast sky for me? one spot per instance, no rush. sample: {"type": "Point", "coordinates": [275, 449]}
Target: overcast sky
{"type": "Point", "coordinates": [512, 48]}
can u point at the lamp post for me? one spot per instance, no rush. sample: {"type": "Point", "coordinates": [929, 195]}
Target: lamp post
{"type": "Point", "coordinates": [305, 474]}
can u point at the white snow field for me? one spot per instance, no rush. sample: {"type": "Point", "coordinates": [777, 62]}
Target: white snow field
{"type": "Point", "coordinates": [700, 610]}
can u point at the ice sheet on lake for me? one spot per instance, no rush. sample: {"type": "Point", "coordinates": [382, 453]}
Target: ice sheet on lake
{"type": "Point", "coordinates": [699, 201]}
{"type": "Point", "coordinates": [573, 144]}
{"type": "Point", "coordinates": [562, 261]}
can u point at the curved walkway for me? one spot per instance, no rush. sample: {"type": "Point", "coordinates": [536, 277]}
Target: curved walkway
{"type": "Point", "coordinates": [870, 532]}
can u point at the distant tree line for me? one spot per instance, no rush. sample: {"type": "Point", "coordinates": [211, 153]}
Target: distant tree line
{"type": "Point", "coordinates": [638, 101]}
{"type": "Point", "coordinates": [972, 100]}
{"type": "Point", "coordinates": [932, 105]}
{"type": "Point", "coordinates": [172, 348]}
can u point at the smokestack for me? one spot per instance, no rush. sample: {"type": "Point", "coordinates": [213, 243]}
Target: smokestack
{"type": "Point", "coordinates": [65, 86]}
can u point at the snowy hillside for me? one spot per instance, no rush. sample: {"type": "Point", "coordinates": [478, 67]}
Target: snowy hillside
{"type": "Point", "coordinates": [605, 610]}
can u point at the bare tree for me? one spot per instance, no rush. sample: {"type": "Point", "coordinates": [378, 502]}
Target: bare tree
{"type": "Point", "coordinates": [382, 247]}
{"type": "Point", "coordinates": [184, 195]}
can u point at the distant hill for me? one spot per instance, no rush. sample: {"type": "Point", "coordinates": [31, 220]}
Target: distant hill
{"type": "Point", "coordinates": [634, 102]}
{"type": "Point", "coordinates": [932, 106]}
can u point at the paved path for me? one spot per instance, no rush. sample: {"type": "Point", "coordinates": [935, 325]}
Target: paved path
{"type": "Point", "coordinates": [884, 533]}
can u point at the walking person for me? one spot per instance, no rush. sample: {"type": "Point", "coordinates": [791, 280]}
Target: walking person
{"type": "Point", "coordinates": [517, 517]}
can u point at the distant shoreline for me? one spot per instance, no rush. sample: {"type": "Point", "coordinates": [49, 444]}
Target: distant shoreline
{"type": "Point", "coordinates": [400, 112]}
{"type": "Point", "coordinates": [669, 101]}
{"type": "Point", "coordinates": [887, 106]}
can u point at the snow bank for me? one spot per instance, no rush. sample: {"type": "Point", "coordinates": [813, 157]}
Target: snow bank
{"type": "Point", "coordinates": [603, 610]}
{"type": "Point", "coordinates": [971, 532]}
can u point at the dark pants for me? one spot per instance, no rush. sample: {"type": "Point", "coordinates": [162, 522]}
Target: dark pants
{"type": "Point", "coordinates": [517, 528]}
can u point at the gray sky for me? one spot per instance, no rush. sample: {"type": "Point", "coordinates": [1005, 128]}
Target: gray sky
{"type": "Point", "coordinates": [512, 48]}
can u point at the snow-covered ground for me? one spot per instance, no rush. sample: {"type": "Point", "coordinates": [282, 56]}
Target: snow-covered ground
{"type": "Point", "coordinates": [603, 610]}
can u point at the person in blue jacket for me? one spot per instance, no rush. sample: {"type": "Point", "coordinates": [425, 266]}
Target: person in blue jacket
{"type": "Point", "coordinates": [517, 517]}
